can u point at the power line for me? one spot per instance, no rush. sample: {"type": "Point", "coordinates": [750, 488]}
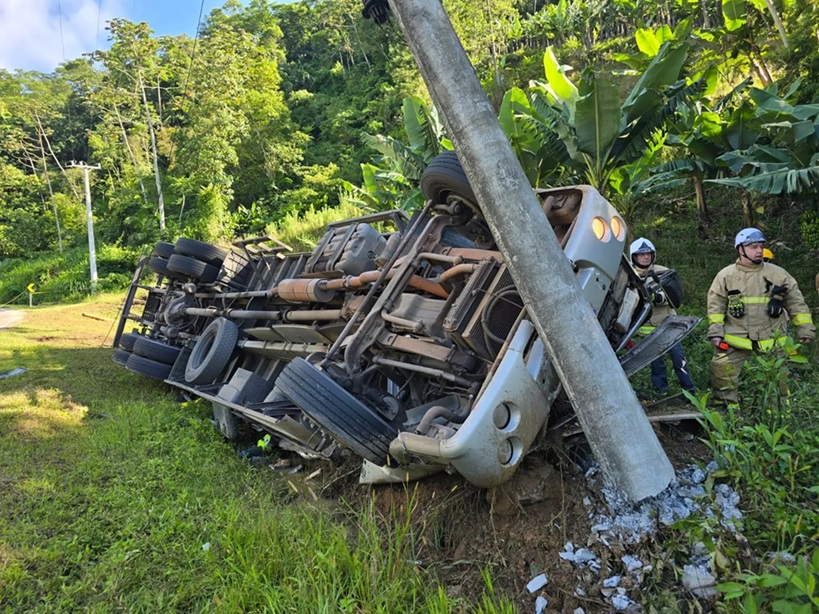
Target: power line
{"type": "Point", "coordinates": [62, 42]}
{"type": "Point", "coordinates": [97, 38]}
{"type": "Point", "coordinates": [195, 40]}
{"type": "Point", "coordinates": [190, 66]}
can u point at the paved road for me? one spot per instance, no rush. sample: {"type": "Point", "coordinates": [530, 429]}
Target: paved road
{"type": "Point", "coordinates": [10, 317]}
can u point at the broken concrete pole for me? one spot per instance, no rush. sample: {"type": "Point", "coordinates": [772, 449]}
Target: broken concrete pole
{"type": "Point", "coordinates": [617, 429]}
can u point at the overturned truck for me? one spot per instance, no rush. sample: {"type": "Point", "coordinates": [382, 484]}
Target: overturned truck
{"type": "Point", "coordinates": [400, 338]}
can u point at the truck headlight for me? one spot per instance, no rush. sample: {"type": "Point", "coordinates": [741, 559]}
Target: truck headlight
{"type": "Point", "coordinates": [618, 228]}
{"type": "Point", "coordinates": [601, 229]}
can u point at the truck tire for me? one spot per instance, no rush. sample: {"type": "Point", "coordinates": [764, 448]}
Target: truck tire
{"type": "Point", "coordinates": [156, 350]}
{"type": "Point", "coordinates": [204, 252]}
{"type": "Point", "coordinates": [121, 356]}
{"type": "Point", "coordinates": [445, 177]}
{"type": "Point", "coordinates": [159, 266]}
{"type": "Point", "coordinates": [336, 411]}
{"type": "Point", "coordinates": [212, 351]}
{"type": "Point", "coordinates": [164, 249]}
{"type": "Point", "coordinates": [127, 340]}
{"type": "Point", "coordinates": [192, 268]}
{"type": "Point", "coordinates": [147, 367]}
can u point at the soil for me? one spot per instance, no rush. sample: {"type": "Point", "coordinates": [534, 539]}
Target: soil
{"type": "Point", "coordinates": [518, 531]}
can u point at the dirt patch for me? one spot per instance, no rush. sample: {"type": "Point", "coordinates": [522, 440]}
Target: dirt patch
{"type": "Point", "coordinates": [519, 531]}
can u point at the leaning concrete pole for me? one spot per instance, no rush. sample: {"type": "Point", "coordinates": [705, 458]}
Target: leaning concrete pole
{"type": "Point", "coordinates": [616, 427]}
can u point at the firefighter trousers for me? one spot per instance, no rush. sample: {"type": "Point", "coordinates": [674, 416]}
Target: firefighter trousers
{"type": "Point", "coordinates": [726, 366]}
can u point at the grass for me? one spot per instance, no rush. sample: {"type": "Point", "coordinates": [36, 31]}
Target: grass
{"type": "Point", "coordinates": [115, 497]}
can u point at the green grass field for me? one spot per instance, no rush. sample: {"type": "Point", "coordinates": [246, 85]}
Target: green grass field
{"type": "Point", "coordinates": [114, 497]}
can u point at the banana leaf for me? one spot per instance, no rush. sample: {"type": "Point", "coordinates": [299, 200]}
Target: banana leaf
{"type": "Point", "coordinates": [557, 79]}
{"type": "Point", "coordinates": [422, 127]}
{"type": "Point", "coordinates": [597, 117]}
{"type": "Point", "coordinates": [397, 155]}
{"type": "Point", "coordinates": [783, 181]}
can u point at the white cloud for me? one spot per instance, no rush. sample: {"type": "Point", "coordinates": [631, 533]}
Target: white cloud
{"type": "Point", "coordinates": [30, 31]}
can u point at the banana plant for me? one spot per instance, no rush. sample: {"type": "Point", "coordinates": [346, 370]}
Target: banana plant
{"type": "Point", "coordinates": [587, 133]}
{"type": "Point", "coordinates": [703, 134]}
{"type": "Point", "coordinates": [786, 160]}
{"type": "Point", "coordinates": [753, 139]}
{"type": "Point", "coordinates": [649, 41]}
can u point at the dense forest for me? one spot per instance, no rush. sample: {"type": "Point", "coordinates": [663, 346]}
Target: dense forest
{"type": "Point", "coordinates": [274, 110]}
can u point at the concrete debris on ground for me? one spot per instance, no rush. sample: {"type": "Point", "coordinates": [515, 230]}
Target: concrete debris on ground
{"type": "Point", "coordinates": [700, 581]}
{"type": "Point", "coordinates": [618, 521]}
{"type": "Point", "coordinates": [582, 557]}
{"type": "Point", "coordinates": [620, 601]}
{"type": "Point", "coordinates": [781, 557]}
{"type": "Point", "coordinates": [627, 523]}
{"type": "Point", "coordinates": [537, 583]}
{"type": "Point", "coordinates": [632, 563]}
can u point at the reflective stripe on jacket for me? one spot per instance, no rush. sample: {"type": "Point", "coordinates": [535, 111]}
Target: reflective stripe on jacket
{"type": "Point", "coordinates": [754, 283]}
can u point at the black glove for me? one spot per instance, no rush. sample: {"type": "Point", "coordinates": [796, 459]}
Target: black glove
{"type": "Point", "coordinates": [658, 297]}
{"type": "Point", "coordinates": [736, 306]}
{"type": "Point", "coordinates": [655, 290]}
{"type": "Point", "coordinates": [775, 308]}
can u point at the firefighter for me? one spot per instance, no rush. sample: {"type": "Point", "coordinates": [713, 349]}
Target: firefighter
{"type": "Point", "coordinates": [643, 254]}
{"type": "Point", "coordinates": [767, 255]}
{"type": "Point", "coordinates": [747, 306]}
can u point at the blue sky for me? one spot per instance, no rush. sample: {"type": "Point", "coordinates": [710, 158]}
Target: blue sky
{"type": "Point", "coordinates": [40, 34]}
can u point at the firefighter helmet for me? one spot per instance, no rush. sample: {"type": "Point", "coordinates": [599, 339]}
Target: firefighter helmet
{"type": "Point", "coordinates": [746, 236]}
{"type": "Point", "coordinates": [641, 246]}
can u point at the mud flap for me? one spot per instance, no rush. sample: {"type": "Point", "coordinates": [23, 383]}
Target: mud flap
{"type": "Point", "coordinates": [662, 339]}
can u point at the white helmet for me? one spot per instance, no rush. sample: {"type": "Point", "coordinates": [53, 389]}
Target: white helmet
{"type": "Point", "coordinates": [641, 246]}
{"type": "Point", "coordinates": [746, 236]}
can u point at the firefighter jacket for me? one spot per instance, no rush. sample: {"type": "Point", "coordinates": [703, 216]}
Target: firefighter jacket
{"type": "Point", "coordinates": [738, 306]}
{"type": "Point", "coordinates": [661, 311]}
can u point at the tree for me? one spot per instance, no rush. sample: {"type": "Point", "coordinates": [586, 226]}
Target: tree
{"type": "Point", "coordinates": [236, 125]}
{"type": "Point", "coordinates": [705, 135]}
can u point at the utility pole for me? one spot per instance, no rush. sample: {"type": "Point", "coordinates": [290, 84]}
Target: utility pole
{"type": "Point", "coordinates": [92, 250]}
{"type": "Point", "coordinates": [615, 424]}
